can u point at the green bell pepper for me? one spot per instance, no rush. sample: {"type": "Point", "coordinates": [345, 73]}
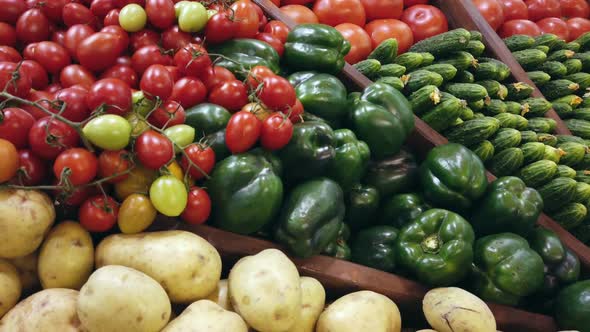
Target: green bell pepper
{"type": "Point", "coordinates": [311, 217]}
{"type": "Point", "coordinates": [437, 247]}
{"type": "Point", "coordinates": [393, 175]}
{"type": "Point", "coordinates": [362, 203]}
{"type": "Point", "coordinates": [375, 247]}
{"type": "Point", "coordinates": [315, 47]}
{"type": "Point", "coordinates": [239, 55]}
{"type": "Point", "coordinates": [321, 94]}
{"type": "Point", "coordinates": [453, 177]}
{"type": "Point", "coordinates": [216, 141]}
{"type": "Point", "coordinates": [339, 248]}
{"type": "Point", "coordinates": [351, 159]}
{"type": "Point", "coordinates": [246, 193]}
{"type": "Point", "coordinates": [206, 118]}
{"type": "Point", "coordinates": [506, 269]}
{"type": "Point", "coordinates": [507, 206]}
{"type": "Point", "coordinates": [399, 210]}
{"type": "Point", "coordinates": [572, 307]}
{"type": "Point", "coordinates": [310, 151]}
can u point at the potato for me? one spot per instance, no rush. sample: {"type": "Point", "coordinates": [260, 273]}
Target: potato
{"type": "Point", "coordinates": [117, 298]}
{"type": "Point", "coordinates": [205, 315]}
{"type": "Point", "coordinates": [453, 309]}
{"type": "Point", "coordinates": [265, 290]}
{"type": "Point", "coordinates": [185, 264]}
{"type": "Point", "coordinates": [10, 286]}
{"type": "Point", "coordinates": [25, 218]}
{"type": "Point", "coordinates": [360, 311]}
{"type": "Point", "coordinates": [26, 267]}
{"type": "Point", "coordinates": [48, 310]}
{"type": "Point", "coordinates": [221, 295]}
{"type": "Point", "coordinates": [313, 299]}
{"type": "Point", "coordinates": [66, 258]}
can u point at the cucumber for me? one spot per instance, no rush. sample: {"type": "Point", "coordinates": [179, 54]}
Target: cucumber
{"type": "Point", "coordinates": [582, 79]}
{"type": "Point", "coordinates": [572, 46]}
{"type": "Point", "coordinates": [494, 106]}
{"type": "Point", "coordinates": [573, 66]}
{"type": "Point", "coordinates": [410, 60]}
{"type": "Point", "coordinates": [475, 47]}
{"type": "Point", "coordinates": [583, 176]}
{"type": "Point", "coordinates": [585, 59]}
{"type": "Point", "coordinates": [566, 172]}
{"type": "Point", "coordinates": [547, 139]}
{"type": "Point", "coordinates": [532, 151]}
{"type": "Point", "coordinates": [421, 78]}
{"type": "Point", "coordinates": [572, 100]}
{"type": "Point", "coordinates": [447, 71]}
{"type": "Point", "coordinates": [534, 106]}
{"type": "Point", "coordinates": [564, 110]}
{"type": "Point", "coordinates": [582, 114]}
{"type": "Point", "coordinates": [395, 82]}
{"type": "Point", "coordinates": [424, 99]}
{"type": "Point", "coordinates": [492, 87]}
{"type": "Point", "coordinates": [369, 67]}
{"type": "Point", "coordinates": [541, 125]}
{"type": "Point", "coordinates": [528, 136]}
{"type": "Point", "coordinates": [513, 107]}
{"type": "Point", "coordinates": [506, 138]}
{"type": "Point", "coordinates": [385, 52]}
{"type": "Point", "coordinates": [484, 150]}
{"type": "Point", "coordinates": [519, 42]}
{"type": "Point", "coordinates": [457, 122]}
{"type": "Point", "coordinates": [568, 138]}
{"type": "Point", "coordinates": [503, 92]}
{"type": "Point", "coordinates": [464, 76]}
{"type": "Point", "coordinates": [539, 77]}
{"type": "Point", "coordinates": [519, 91]}
{"type": "Point", "coordinates": [444, 43]}
{"type": "Point", "coordinates": [542, 48]}
{"type": "Point", "coordinates": [570, 215]}
{"type": "Point", "coordinates": [461, 60]}
{"type": "Point", "coordinates": [476, 35]}
{"type": "Point", "coordinates": [538, 173]}
{"type": "Point", "coordinates": [478, 115]}
{"type": "Point", "coordinates": [561, 55]}
{"type": "Point", "coordinates": [554, 68]}
{"type": "Point", "coordinates": [574, 153]}
{"type": "Point", "coordinates": [515, 121]}
{"type": "Point", "coordinates": [546, 39]}
{"type": "Point", "coordinates": [444, 114]}
{"type": "Point", "coordinates": [477, 105]}
{"type": "Point", "coordinates": [466, 113]}
{"type": "Point", "coordinates": [427, 58]}
{"type": "Point", "coordinates": [467, 91]}
{"type": "Point", "coordinates": [579, 127]}
{"type": "Point", "coordinates": [584, 40]}
{"type": "Point", "coordinates": [506, 162]}
{"type": "Point", "coordinates": [473, 131]}
{"type": "Point", "coordinates": [553, 154]}
{"type": "Point", "coordinates": [585, 102]}
{"type": "Point", "coordinates": [560, 45]}
{"type": "Point", "coordinates": [559, 88]}
{"type": "Point", "coordinates": [489, 71]}
{"type": "Point", "coordinates": [530, 59]}
{"type": "Point", "coordinates": [582, 192]}
{"type": "Point", "coordinates": [558, 192]}
{"type": "Point", "coordinates": [391, 70]}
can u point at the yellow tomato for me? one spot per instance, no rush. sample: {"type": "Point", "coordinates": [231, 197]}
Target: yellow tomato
{"type": "Point", "coordinates": [257, 109]}
{"type": "Point", "coordinates": [177, 171]}
{"type": "Point", "coordinates": [132, 18]}
{"type": "Point", "coordinates": [138, 182]}
{"type": "Point", "coordinates": [136, 214]}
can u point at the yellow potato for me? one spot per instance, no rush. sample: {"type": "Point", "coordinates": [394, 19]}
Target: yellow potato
{"type": "Point", "coordinates": [10, 286]}
{"type": "Point", "coordinates": [117, 298]}
{"type": "Point", "coordinates": [265, 290]}
{"type": "Point", "coordinates": [453, 309]}
{"type": "Point", "coordinates": [221, 295]}
{"type": "Point", "coordinates": [360, 311]}
{"type": "Point", "coordinates": [25, 218]}
{"type": "Point", "coordinates": [185, 264]}
{"type": "Point", "coordinates": [46, 311]}
{"type": "Point", "coordinates": [426, 330]}
{"type": "Point", "coordinates": [313, 299]}
{"type": "Point", "coordinates": [205, 315]}
{"type": "Point", "coordinates": [26, 267]}
{"type": "Point", "coordinates": [66, 258]}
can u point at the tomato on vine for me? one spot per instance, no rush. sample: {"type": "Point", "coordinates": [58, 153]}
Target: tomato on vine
{"type": "Point", "coordinates": [157, 81]}
{"type": "Point", "coordinates": [153, 149]}
{"type": "Point", "coordinates": [169, 195]}
{"type": "Point", "coordinates": [216, 75]}
{"type": "Point", "coordinates": [276, 92]}
{"type": "Point", "coordinates": [10, 161]}
{"type": "Point", "coordinates": [198, 207]}
{"type": "Point", "coordinates": [220, 27]}
{"type": "Point", "coordinates": [78, 165]}
{"type": "Point", "coordinates": [242, 131]}
{"type": "Point", "coordinates": [74, 100]}
{"type": "Point", "coordinates": [201, 156]}
{"type": "Point", "coordinates": [32, 169]}
{"type": "Point", "coordinates": [257, 74]}
{"type": "Point", "coordinates": [18, 84]}
{"type": "Point", "coordinates": [15, 124]}
{"type": "Point", "coordinates": [98, 213]}
{"type": "Point", "coordinates": [49, 137]}
{"type": "Point", "coordinates": [112, 94]}
{"type": "Point", "coordinates": [189, 91]}
{"type": "Point", "coordinates": [114, 162]}
{"type": "Point", "coordinates": [149, 55]}
{"type": "Point", "coordinates": [169, 114]}
{"type": "Point", "coordinates": [276, 132]}
{"type": "Point", "coordinates": [192, 59]}
{"type": "Point", "coordinates": [230, 94]}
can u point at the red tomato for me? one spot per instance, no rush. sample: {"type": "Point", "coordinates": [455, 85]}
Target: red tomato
{"type": "Point", "coordinates": [216, 75]}
{"type": "Point", "coordinates": [49, 137]}
{"type": "Point", "coordinates": [272, 41]}
{"type": "Point", "coordinates": [262, 20]}
{"type": "Point", "coordinates": [410, 3]}
{"type": "Point", "coordinates": [98, 213]}
{"type": "Point", "coordinates": [578, 26]}
{"type": "Point", "coordinates": [9, 54]}
{"type": "Point", "coordinates": [294, 112]}
{"type": "Point", "coordinates": [220, 27]}
{"type": "Point", "coordinates": [58, 37]}
{"type": "Point", "coordinates": [198, 207]}
{"type": "Point", "coordinates": [52, 56]}
{"type": "Point", "coordinates": [11, 10]}
{"type": "Point", "coordinates": [15, 124]}
{"type": "Point", "coordinates": [74, 36]}
{"type": "Point", "coordinates": [76, 75]}
{"type": "Point", "coordinates": [111, 93]}
{"type": "Point", "coordinates": [169, 114]}
{"type": "Point", "coordinates": [276, 93]}
{"type": "Point", "coordinates": [42, 98]}
{"type": "Point", "coordinates": [379, 30]}
{"type": "Point", "coordinates": [175, 72]}
{"type": "Point", "coordinates": [192, 59]}
{"type": "Point", "coordinates": [242, 131]}
{"type": "Point", "coordinates": [160, 13]}
{"type": "Point", "coordinates": [201, 156]}
{"type": "Point", "coordinates": [75, 13]}
{"type": "Point", "coordinates": [75, 100]}
{"type": "Point", "coordinates": [147, 56]}
{"type": "Point", "coordinates": [7, 34]}
{"type": "Point", "coordinates": [28, 51]}
{"type": "Point", "coordinates": [425, 21]}
{"type": "Point", "coordinates": [555, 26]}
{"type": "Point", "coordinates": [124, 60]}
{"type": "Point", "coordinates": [52, 9]}
{"type": "Point", "coordinates": [157, 81]}
{"type": "Point", "coordinates": [277, 29]}
{"type": "Point", "coordinates": [514, 10]}
{"type": "Point", "coordinates": [143, 38]}
{"type": "Point", "coordinates": [375, 9]}
{"type": "Point", "coordinates": [189, 91]}
{"type": "Point", "coordinates": [78, 165]}
{"type": "Point", "coordinates": [112, 163]}
{"type": "Point", "coordinates": [32, 170]}
{"type": "Point", "coordinates": [174, 38]}
{"type": "Point", "coordinates": [230, 94]}
{"type": "Point", "coordinates": [101, 8]}
{"type": "Point", "coordinates": [257, 74]}
{"type": "Point", "coordinates": [334, 12]}
{"type": "Point", "coordinates": [153, 149]}
{"type": "Point", "coordinates": [53, 88]}
{"type": "Point", "coordinates": [294, 2]}
{"type": "Point", "coordinates": [38, 74]}
{"type": "Point", "coordinates": [112, 18]}
{"type": "Point", "coordinates": [539, 9]}
{"type": "Point", "coordinates": [276, 132]}
{"type": "Point", "coordinates": [122, 72]}
{"type": "Point", "coordinates": [32, 26]}
{"type": "Point", "coordinates": [360, 42]}
{"type": "Point", "coordinates": [246, 19]}
{"type": "Point", "coordinates": [575, 8]}
{"type": "Point", "coordinates": [99, 51]}
{"type": "Point", "coordinates": [20, 86]}
{"type": "Point", "coordinates": [519, 27]}
{"type": "Point", "coordinates": [300, 14]}
{"type": "Point", "coordinates": [10, 161]}
{"type": "Point", "coordinates": [492, 12]}
{"type": "Point", "coordinates": [122, 36]}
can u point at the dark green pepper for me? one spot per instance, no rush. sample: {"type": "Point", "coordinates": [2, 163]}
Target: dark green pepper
{"type": "Point", "coordinates": [206, 118]}
{"type": "Point", "coordinates": [246, 193]}
{"type": "Point", "coordinates": [351, 159]}
{"type": "Point", "coordinates": [375, 247]}
{"type": "Point", "coordinates": [508, 206]}
{"type": "Point", "coordinates": [339, 248]}
{"type": "Point", "coordinates": [315, 47]}
{"type": "Point", "coordinates": [311, 217]}
{"type": "Point", "coordinates": [572, 307]}
{"type": "Point", "coordinates": [362, 203]}
{"type": "Point", "coordinates": [399, 210]}
{"type": "Point", "coordinates": [393, 175]}
{"type": "Point", "coordinates": [437, 247]}
{"type": "Point", "coordinates": [216, 141]}
{"type": "Point", "coordinates": [453, 177]}
{"type": "Point", "coordinates": [243, 54]}
{"type": "Point", "coordinates": [321, 94]}
{"type": "Point", "coordinates": [506, 269]}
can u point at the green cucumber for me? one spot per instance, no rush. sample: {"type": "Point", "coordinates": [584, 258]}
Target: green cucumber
{"type": "Point", "coordinates": [506, 138]}
{"type": "Point", "coordinates": [585, 58]}
{"type": "Point", "coordinates": [494, 106]}
{"type": "Point", "coordinates": [466, 113]}
{"type": "Point", "coordinates": [582, 79]}
{"type": "Point", "coordinates": [395, 82]}
{"type": "Point", "coordinates": [559, 88]}
{"type": "Point", "coordinates": [547, 139]}
{"type": "Point", "coordinates": [530, 59]}
{"type": "Point", "coordinates": [573, 66]}
{"type": "Point", "coordinates": [427, 58]}
{"type": "Point", "coordinates": [532, 151]}
{"type": "Point", "coordinates": [579, 127]}
{"type": "Point", "coordinates": [538, 173]}
{"type": "Point", "coordinates": [582, 192]}
{"type": "Point", "coordinates": [541, 125]}
{"type": "Point", "coordinates": [566, 172]}
{"type": "Point", "coordinates": [464, 76]}
{"type": "Point", "coordinates": [477, 105]}
{"type": "Point", "coordinates": [513, 107]}
{"type": "Point", "coordinates": [473, 131]}
{"type": "Point", "coordinates": [583, 176]}
{"type": "Point", "coordinates": [542, 48]}
{"type": "Point", "coordinates": [410, 60]}
{"type": "Point", "coordinates": [519, 42]}
{"type": "Point", "coordinates": [564, 110]}
{"type": "Point", "coordinates": [385, 52]}
{"type": "Point", "coordinates": [467, 91]}
{"type": "Point", "coordinates": [534, 106]}
{"type": "Point", "coordinates": [490, 69]}
{"type": "Point", "coordinates": [546, 39]}
{"type": "Point", "coordinates": [476, 35]}
{"type": "Point", "coordinates": [484, 150]}
{"type": "Point", "coordinates": [568, 138]}
{"type": "Point", "coordinates": [444, 114]}
{"type": "Point", "coordinates": [475, 47]}
{"type": "Point", "coordinates": [444, 43]}
{"type": "Point", "coordinates": [572, 100]}
{"type": "Point", "coordinates": [582, 114]}
{"type": "Point", "coordinates": [554, 68]}
{"type": "Point", "coordinates": [461, 60]}
{"type": "Point", "coordinates": [561, 55]}
{"type": "Point", "coordinates": [492, 86]}
{"type": "Point", "coordinates": [519, 91]}
{"type": "Point", "coordinates": [553, 154]}
{"type": "Point", "coordinates": [421, 78]}
{"type": "Point", "coordinates": [570, 215]}
{"type": "Point", "coordinates": [528, 136]}
{"type": "Point", "coordinates": [508, 120]}
{"type": "Point", "coordinates": [447, 71]}
{"type": "Point", "coordinates": [539, 77]}
{"type": "Point", "coordinates": [584, 40]}
{"type": "Point", "coordinates": [368, 67]}
{"type": "Point", "coordinates": [506, 162]}
{"type": "Point", "coordinates": [574, 153]}
{"type": "Point", "coordinates": [572, 46]}
{"type": "Point", "coordinates": [424, 99]}
{"type": "Point", "coordinates": [558, 192]}
{"type": "Point", "coordinates": [391, 70]}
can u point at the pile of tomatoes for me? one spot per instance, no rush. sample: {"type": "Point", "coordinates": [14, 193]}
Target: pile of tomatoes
{"type": "Point", "coordinates": [93, 99]}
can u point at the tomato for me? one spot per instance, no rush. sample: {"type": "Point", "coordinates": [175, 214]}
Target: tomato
{"type": "Point", "coordinates": [246, 19]}
{"type": "Point", "coordinates": [242, 132]}
{"type": "Point", "coordinates": [32, 169]}
{"type": "Point", "coordinates": [198, 207]}
{"type": "Point", "coordinates": [375, 9]}
{"type": "Point", "coordinates": [7, 34]}
{"type": "Point", "coordinates": [143, 38]}
{"type": "Point", "coordinates": [75, 13]}
{"type": "Point", "coordinates": [276, 132]}
{"type": "Point", "coordinates": [181, 135]}
{"type": "Point", "coordinates": [294, 2]}
{"type": "Point", "coordinates": [555, 26]}
{"type": "Point", "coordinates": [153, 149]}
{"type": "Point", "coordinates": [58, 37]}
{"type": "Point", "coordinates": [514, 10]}
{"type": "Point", "coordinates": [492, 12]}
{"type": "Point", "coordinates": [28, 52]}
{"type": "Point", "coordinates": [169, 196]}
{"type": "Point", "coordinates": [101, 8]}
{"type": "Point", "coordinates": [272, 41]}
{"type": "Point", "coordinates": [149, 55]}
{"type": "Point", "coordinates": [132, 18]}
{"type": "Point", "coordinates": [276, 93]}
{"type": "Point", "coordinates": [192, 59]}
{"type": "Point", "coordinates": [277, 29]}
{"type": "Point", "coordinates": [258, 109]}
{"type": "Point", "coordinates": [160, 13]}
{"type": "Point", "coordinates": [138, 181]}
{"type": "Point", "coordinates": [112, 163]}
{"type": "Point", "coordinates": [76, 75]}
{"type": "Point", "coordinates": [52, 56]}
{"type": "Point", "coordinates": [173, 38]}
{"type": "Point", "coordinates": [257, 74]}
{"type": "Point", "coordinates": [74, 36]}
{"type": "Point", "coordinates": [379, 30]}
{"type": "Point", "coordinates": [53, 88]}
{"type": "Point", "coordinates": [157, 81]}
{"type": "Point", "coordinates": [360, 42]}
{"type": "Point", "coordinates": [519, 27]}
{"type": "Point", "coordinates": [15, 124]}
{"type": "Point", "coordinates": [425, 21]}
{"type": "Point", "coordinates": [201, 156]}
{"type": "Point", "coordinates": [230, 94]}
{"type": "Point", "coordinates": [122, 72]}
{"type": "Point", "coordinates": [38, 74]}
{"type": "Point", "coordinates": [167, 115]}
{"type": "Point", "coordinates": [32, 26]}
{"type": "Point", "coordinates": [10, 161]}
{"type": "Point", "coordinates": [9, 54]}
{"type": "Point", "coordinates": [111, 92]}
{"type": "Point", "coordinates": [539, 9]}
{"type": "Point", "coordinates": [299, 14]}
{"type": "Point", "coordinates": [574, 8]}
{"type": "Point", "coordinates": [136, 214]}
{"type": "Point", "coordinates": [40, 97]}
{"type": "Point", "coordinates": [49, 137]}
{"type": "Point", "coordinates": [189, 91]}
{"type": "Point", "coordinates": [220, 27]}
{"type": "Point", "coordinates": [75, 101]}
{"type": "Point", "coordinates": [112, 18]}
{"type": "Point", "coordinates": [294, 112]}
{"type": "Point", "coordinates": [334, 12]}
{"type": "Point", "coordinates": [11, 10]}
{"type": "Point", "coordinates": [578, 26]}
{"type": "Point", "coordinates": [98, 213]}
{"type": "Point", "coordinates": [410, 3]}
{"type": "Point", "coordinates": [216, 75]}
{"type": "Point", "coordinates": [108, 131]}
{"type": "Point", "coordinates": [193, 17]}
{"type": "Point", "coordinates": [78, 166]}
{"type": "Point", "coordinates": [262, 20]}
{"type": "Point", "coordinates": [141, 104]}
{"type": "Point", "coordinates": [20, 86]}
{"type": "Point", "coordinates": [99, 51]}
{"type": "Point", "coordinates": [122, 35]}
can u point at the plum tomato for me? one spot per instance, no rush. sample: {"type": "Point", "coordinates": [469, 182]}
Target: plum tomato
{"type": "Point", "coordinates": [11, 10]}
{"type": "Point", "coordinates": [101, 8]}
{"type": "Point", "coordinates": [111, 163]}
{"type": "Point", "coordinates": [360, 42]}
{"type": "Point", "coordinates": [153, 149]}
{"type": "Point", "coordinates": [76, 75]}
{"type": "Point", "coordinates": [149, 55]}
{"type": "Point", "coordinates": [15, 124]}
{"type": "Point", "coordinates": [10, 161]}
{"type": "Point", "coordinates": [98, 213]}
{"type": "Point", "coordinates": [169, 114]}
{"type": "Point", "coordinates": [143, 38]}
{"type": "Point", "coordinates": [216, 75]}
{"type": "Point", "coordinates": [276, 93]}
{"type": "Point", "coordinates": [49, 137]}
{"type": "Point", "coordinates": [10, 54]}
{"type": "Point", "coordinates": [74, 36]}
{"type": "Point", "coordinates": [201, 156]}
{"type": "Point", "coordinates": [425, 21]}
{"type": "Point", "coordinates": [242, 132]}
{"type": "Point", "coordinates": [300, 14]}
{"type": "Point", "coordinates": [575, 8]}
{"type": "Point", "coordinates": [157, 81]}
{"type": "Point", "coordinates": [75, 13]}
{"type": "Point", "coordinates": [379, 30]}
{"type": "Point", "coordinates": [230, 94]}
{"type": "Point", "coordinates": [99, 51]}
{"type": "Point", "coordinates": [7, 34]}
{"type": "Point", "coordinates": [32, 26]}
{"type": "Point", "coordinates": [169, 195]}
{"type": "Point", "coordinates": [74, 99]}
{"type": "Point", "coordinates": [276, 132]}
{"type": "Point", "coordinates": [246, 18]}
{"type": "Point", "coordinates": [198, 207]}
{"type": "Point", "coordinates": [124, 73]}
{"type": "Point", "coordinates": [136, 214]}
{"type": "Point", "coordinates": [277, 29]}
{"type": "Point", "coordinates": [519, 27]}
{"type": "Point", "coordinates": [52, 56]}
{"type": "Point", "coordinates": [108, 131]}
{"type": "Point", "coordinates": [192, 59]}
{"type": "Point", "coordinates": [578, 26]}
{"type": "Point", "coordinates": [334, 12]}
{"type": "Point", "coordinates": [112, 93]}
{"type": "Point", "coordinates": [220, 27]}
{"type": "Point", "coordinates": [38, 74]}
{"type": "Point", "coordinates": [112, 18]}
{"type": "Point", "coordinates": [189, 91]}
{"type": "Point", "coordinates": [15, 79]}
{"type": "Point", "coordinates": [79, 166]}
{"type": "Point", "coordinates": [160, 13]}
{"type": "Point", "coordinates": [40, 97]}
{"type": "Point", "coordinates": [173, 38]}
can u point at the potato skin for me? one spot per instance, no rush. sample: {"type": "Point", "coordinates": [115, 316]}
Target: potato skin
{"type": "Point", "coordinates": [185, 264]}
{"type": "Point", "coordinates": [453, 309]}
{"type": "Point", "coordinates": [360, 311]}
{"type": "Point", "coordinates": [265, 290]}
{"type": "Point", "coordinates": [25, 218]}
{"type": "Point", "coordinates": [10, 286]}
{"type": "Point", "coordinates": [48, 310]}
{"type": "Point", "coordinates": [117, 298]}
{"type": "Point", "coordinates": [205, 315]}
{"type": "Point", "coordinates": [26, 267]}
{"type": "Point", "coordinates": [66, 258]}
{"type": "Point", "coordinates": [221, 295]}
{"type": "Point", "coordinates": [313, 300]}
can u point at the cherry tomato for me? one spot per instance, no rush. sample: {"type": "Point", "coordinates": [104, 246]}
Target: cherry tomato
{"type": "Point", "coordinates": [136, 214]}
{"type": "Point", "coordinates": [101, 8]}
{"type": "Point", "coordinates": [168, 115]}
{"type": "Point", "coordinates": [153, 149]}
{"type": "Point", "coordinates": [276, 132]}
{"type": "Point", "coordinates": [38, 74]}
{"type": "Point", "coordinates": [114, 162]}
{"type": "Point", "coordinates": [10, 54]}
{"type": "Point", "coordinates": [375, 9]}
{"type": "Point", "coordinates": [32, 169]}
{"type": "Point", "coordinates": [78, 165]}
{"type": "Point", "coordinates": [410, 3]}
{"type": "Point", "coordinates": [246, 19]}
{"type": "Point", "coordinates": [76, 75]}
{"type": "Point", "coordinates": [294, 112]}
{"type": "Point", "coordinates": [230, 94]}
{"type": "Point", "coordinates": [277, 29]}
{"type": "Point", "coordinates": [189, 91]}
{"type": "Point", "coordinates": [555, 26]}
{"type": "Point", "coordinates": [108, 131]}
{"type": "Point", "coordinates": [575, 8]}
{"type": "Point", "coordinates": [143, 38]}
{"type": "Point", "coordinates": [539, 9]}
{"type": "Point", "coordinates": [578, 26]}
{"type": "Point", "coordinates": [192, 59]}
{"type": "Point", "coordinates": [58, 36]}
{"type": "Point", "coordinates": [111, 92]}
{"type": "Point", "coordinates": [112, 18]}
{"type": "Point", "coordinates": [169, 196]}
{"type": "Point", "coordinates": [53, 88]}
{"type": "Point", "coordinates": [360, 42]}
{"type": "Point", "coordinates": [216, 75]}
{"type": "Point", "coordinates": [122, 35]}
{"type": "Point", "coordinates": [519, 27]}
{"type": "Point", "coordinates": [40, 97]}
{"type": "Point", "coordinates": [242, 132]}
{"type": "Point", "coordinates": [147, 56]}
{"type": "Point", "coordinates": [272, 41]}
{"type": "Point", "coordinates": [122, 72]}
{"type": "Point", "coordinates": [334, 12]}
{"type": "Point", "coordinates": [277, 93]}
{"type": "Point", "coordinates": [138, 181]}
{"type": "Point", "coordinates": [258, 109]}
{"type": "Point", "coordinates": [32, 26]}
{"type": "Point", "coordinates": [193, 17]}
{"type": "Point", "coordinates": [294, 2]}
{"type": "Point", "coordinates": [75, 13]}
{"type": "Point", "coordinates": [132, 18]}
{"type": "Point", "coordinates": [220, 27]}
{"type": "Point", "coordinates": [160, 13]}
{"type": "Point", "coordinates": [202, 157]}
{"type": "Point", "coordinates": [157, 81]}
{"type": "Point", "coordinates": [75, 101]}
{"type": "Point", "coordinates": [198, 207]}
{"type": "Point", "coordinates": [98, 213]}
{"type": "Point", "coordinates": [49, 137]}
{"type": "Point", "coordinates": [20, 86]}
{"type": "Point", "coordinates": [425, 21]}
{"type": "Point", "coordinates": [99, 51]}
{"type": "Point", "coordinates": [300, 14]}
{"type": "Point", "coordinates": [173, 38]}
{"type": "Point", "coordinates": [11, 10]}
{"type": "Point", "coordinates": [52, 56]}
{"type": "Point", "coordinates": [10, 161]}
{"type": "Point", "coordinates": [379, 30]}
{"type": "Point", "coordinates": [15, 124]}
{"type": "Point", "coordinates": [7, 34]}
{"type": "Point", "coordinates": [492, 12]}
{"type": "Point", "coordinates": [514, 10]}
{"type": "Point", "coordinates": [257, 74]}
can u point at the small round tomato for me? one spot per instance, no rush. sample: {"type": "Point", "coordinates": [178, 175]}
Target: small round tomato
{"type": "Point", "coordinates": [257, 74]}
{"type": "Point", "coordinates": [242, 132]}
{"type": "Point", "coordinates": [99, 51]}
{"type": "Point", "coordinates": [75, 13]}
{"type": "Point", "coordinates": [198, 207]}
{"type": "Point", "coordinates": [216, 75]}
{"type": "Point", "coordinates": [220, 27]}
{"type": "Point", "coordinates": [112, 18]}
{"type": "Point", "coordinates": [153, 149]}
{"type": "Point", "coordinates": [300, 14]}
{"type": "Point", "coordinates": [519, 27]}
{"type": "Point", "coordinates": [192, 59]}
{"type": "Point", "coordinates": [10, 161]}
{"type": "Point", "coordinates": [78, 165]}
{"type": "Point", "coordinates": [74, 99]}
{"type": "Point", "coordinates": [108, 131]}
{"type": "Point", "coordinates": [11, 10]}
{"type": "Point", "coordinates": [277, 29]}
{"type": "Point", "coordinates": [40, 97]}
{"type": "Point", "coordinates": [294, 112]}
{"type": "Point", "coordinates": [276, 132]}
{"type": "Point", "coordinates": [112, 163]}
{"type": "Point", "coordinates": [32, 170]}
{"type": "Point", "coordinates": [246, 18]}
{"type": "Point", "coordinates": [272, 41]}
{"type": "Point", "coordinates": [379, 30]}
{"type": "Point", "coordinates": [277, 93]}
{"type": "Point", "coordinates": [174, 38]}
{"type": "Point", "coordinates": [360, 42]}
{"type": "Point", "coordinates": [136, 214]}
{"type": "Point", "coordinates": [38, 74]}
{"type": "Point", "coordinates": [101, 8]}
{"type": "Point", "coordinates": [425, 21]}
{"type": "Point", "coordinates": [98, 213]}
{"type": "Point", "coordinates": [169, 195]}
{"type": "Point", "coordinates": [160, 13]}
{"type": "Point", "coordinates": [575, 8]}
{"type": "Point", "coordinates": [10, 54]}
{"type": "Point", "coordinates": [181, 136]}
{"type": "Point", "coordinates": [189, 91]}
{"type": "Point", "coordinates": [167, 115]}
{"type": "Point", "coordinates": [143, 38]}
{"type": "Point", "coordinates": [112, 94]}
{"type": "Point", "coordinates": [124, 73]}
{"type": "Point", "coordinates": [334, 12]}
{"type": "Point", "coordinates": [539, 9]}
{"type": "Point", "coordinates": [230, 94]}
{"type": "Point", "coordinates": [514, 10]}
{"type": "Point", "coordinates": [76, 75]}
{"type": "Point", "coordinates": [492, 12]}
{"type": "Point", "coordinates": [201, 156]}
{"type": "Point", "coordinates": [132, 18]}
{"type": "Point", "coordinates": [375, 9]}
{"type": "Point", "coordinates": [149, 55]}
{"type": "Point", "coordinates": [157, 81]}
{"type": "Point", "coordinates": [21, 86]}
{"type": "Point", "coordinates": [7, 34]}
{"type": "Point", "coordinates": [74, 36]}
{"type": "Point", "coordinates": [15, 124]}
{"type": "Point", "coordinates": [578, 26]}
{"type": "Point", "coordinates": [49, 137]}
{"type": "Point", "coordinates": [32, 26]}
{"type": "Point", "coordinates": [555, 26]}
{"type": "Point", "coordinates": [193, 17]}
{"type": "Point", "coordinates": [52, 56]}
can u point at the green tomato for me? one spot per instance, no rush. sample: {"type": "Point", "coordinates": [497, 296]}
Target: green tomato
{"type": "Point", "coordinates": [141, 104]}
{"type": "Point", "coordinates": [108, 132]}
{"type": "Point", "coordinates": [138, 124]}
{"type": "Point", "coordinates": [193, 17]}
{"type": "Point", "coordinates": [132, 18]}
{"type": "Point", "coordinates": [178, 7]}
{"type": "Point", "coordinates": [210, 13]}
{"type": "Point", "coordinates": [169, 195]}
{"type": "Point", "coordinates": [182, 135]}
